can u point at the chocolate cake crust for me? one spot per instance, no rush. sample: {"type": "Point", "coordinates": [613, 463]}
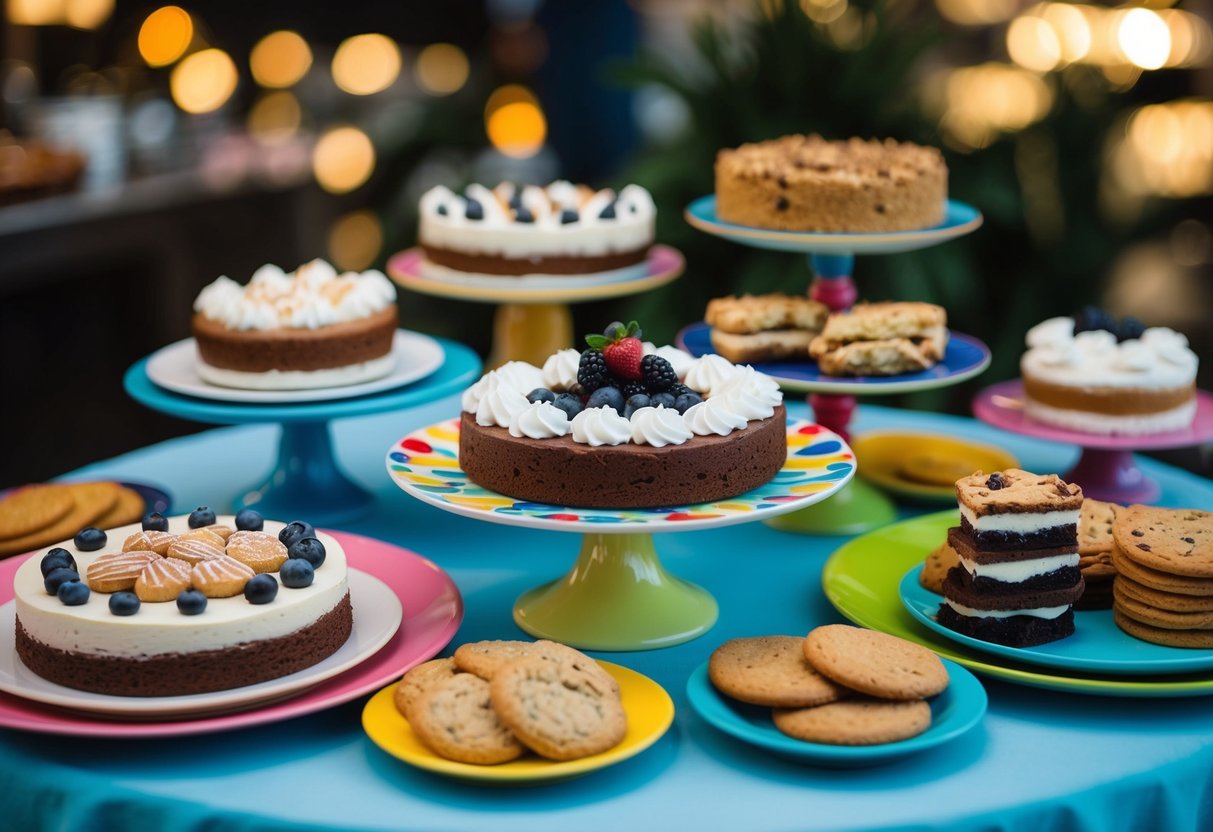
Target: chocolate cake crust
{"type": "Point", "coordinates": [965, 546]}
{"type": "Point", "coordinates": [959, 587]}
{"type": "Point", "coordinates": [497, 264]}
{"type": "Point", "coordinates": [1016, 631]}
{"type": "Point", "coordinates": [1051, 537]}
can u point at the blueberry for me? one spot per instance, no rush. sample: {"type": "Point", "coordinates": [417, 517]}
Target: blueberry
{"type": "Point", "coordinates": [248, 520]}
{"type": "Point", "coordinates": [1129, 329]}
{"type": "Point", "coordinates": [523, 215]}
{"type": "Point", "coordinates": [202, 516]}
{"type": "Point", "coordinates": [261, 589]}
{"type": "Point", "coordinates": [124, 603]}
{"type": "Point", "coordinates": [73, 593]}
{"type": "Point", "coordinates": [297, 573]}
{"type": "Point", "coordinates": [606, 397]}
{"type": "Point", "coordinates": [567, 216]}
{"type": "Point", "coordinates": [474, 210]}
{"type": "Point", "coordinates": [994, 482]}
{"type": "Point", "coordinates": [155, 522]}
{"type": "Point", "coordinates": [191, 602]}
{"type": "Point", "coordinates": [90, 539]}
{"type": "Point", "coordinates": [309, 549]}
{"type": "Point", "coordinates": [57, 577]}
{"type": "Point", "coordinates": [608, 213]}
{"type": "Point", "coordinates": [442, 212]}
{"type": "Point", "coordinates": [634, 403]}
{"type": "Point", "coordinates": [663, 399]}
{"type": "Point", "coordinates": [540, 394]}
{"type": "Point", "coordinates": [57, 559]}
{"type": "Point", "coordinates": [296, 531]}
{"type": "Point", "coordinates": [1091, 318]}
{"type": "Point", "coordinates": [686, 401]}
{"type": "Point", "coordinates": [569, 403]}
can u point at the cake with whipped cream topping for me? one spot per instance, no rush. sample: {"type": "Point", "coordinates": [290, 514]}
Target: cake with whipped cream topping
{"type": "Point", "coordinates": [1018, 573]}
{"type": "Point", "coordinates": [623, 424]}
{"type": "Point", "coordinates": [511, 231]}
{"type": "Point", "coordinates": [1093, 374]}
{"type": "Point", "coordinates": [310, 329]}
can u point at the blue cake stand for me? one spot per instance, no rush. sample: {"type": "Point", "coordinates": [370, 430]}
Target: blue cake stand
{"type": "Point", "coordinates": [306, 480]}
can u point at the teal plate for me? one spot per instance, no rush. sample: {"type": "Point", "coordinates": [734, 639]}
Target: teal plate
{"type": "Point", "coordinates": [1097, 645]}
{"type": "Point", "coordinates": [953, 712]}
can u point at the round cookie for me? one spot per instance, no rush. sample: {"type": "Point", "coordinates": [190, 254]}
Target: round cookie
{"type": "Point", "coordinates": [859, 721]}
{"type": "Point", "coordinates": [128, 509]}
{"type": "Point", "coordinates": [1095, 522]}
{"type": "Point", "coordinates": [941, 560]}
{"type": "Point", "coordinates": [409, 689]}
{"type": "Point", "coordinates": [772, 671]}
{"type": "Point", "coordinates": [1178, 541]}
{"type": "Point", "coordinates": [875, 663]}
{"type": "Point", "coordinates": [557, 711]}
{"type": "Point", "coordinates": [1159, 600]}
{"type": "Point", "coordinates": [1096, 566]}
{"type": "Point", "coordinates": [1162, 619]}
{"type": "Point", "coordinates": [1158, 635]}
{"type": "Point", "coordinates": [90, 500]}
{"type": "Point", "coordinates": [454, 719]}
{"type": "Point", "coordinates": [256, 550]}
{"type": "Point", "coordinates": [29, 509]}
{"type": "Point", "coordinates": [1162, 581]}
{"type": "Point", "coordinates": [485, 658]}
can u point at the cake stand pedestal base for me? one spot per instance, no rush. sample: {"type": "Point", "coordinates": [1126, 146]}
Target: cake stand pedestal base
{"type": "Point", "coordinates": [617, 596]}
{"type": "Point", "coordinates": [1112, 476]}
{"type": "Point", "coordinates": [857, 508]}
{"type": "Point", "coordinates": [530, 332]}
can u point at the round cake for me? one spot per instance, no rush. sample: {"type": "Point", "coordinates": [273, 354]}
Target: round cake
{"type": "Point", "coordinates": [300, 331]}
{"type": "Point", "coordinates": [510, 231]}
{"type": "Point", "coordinates": [805, 183]}
{"type": "Point", "coordinates": [196, 617]}
{"type": "Point", "coordinates": [1096, 375]}
{"type": "Point", "coordinates": [588, 430]}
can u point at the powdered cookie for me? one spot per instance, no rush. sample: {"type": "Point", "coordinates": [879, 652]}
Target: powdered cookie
{"type": "Point", "coordinates": [90, 500]}
{"type": "Point", "coordinates": [220, 577]}
{"type": "Point", "coordinates": [1160, 580]}
{"type": "Point", "coordinates": [205, 535]}
{"type": "Point", "coordinates": [485, 658]}
{"type": "Point", "coordinates": [455, 720]}
{"type": "Point", "coordinates": [32, 508]}
{"type": "Point", "coordinates": [193, 551]}
{"type": "Point", "coordinates": [1158, 635]}
{"type": "Point", "coordinates": [149, 541]}
{"type": "Point", "coordinates": [117, 571]}
{"type": "Point", "coordinates": [875, 663]}
{"type": "Point", "coordinates": [256, 550]}
{"type": "Point", "coordinates": [770, 670]}
{"type": "Point", "coordinates": [162, 580]}
{"type": "Point", "coordinates": [557, 711]}
{"type": "Point", "coordinates": [128, 509]}
{"type": "Point", "coordinates": [418, 679]}
{"type": "Point", "coordinates": [858, 721]}
{"type": "Point", "coordinates": [942, 558]}
{"type": "Point", "coordinates": [1095, 521]}
{"type": "Point", "coordinates": [1159, 600]}
{"type": "Point", "coordinates": [225, 532]}
{"type": "Point", "coordinates": [1178, 541]}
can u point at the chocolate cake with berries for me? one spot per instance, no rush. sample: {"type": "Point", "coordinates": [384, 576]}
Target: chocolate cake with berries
{"type": "Point", "coordinates": [623, 425]}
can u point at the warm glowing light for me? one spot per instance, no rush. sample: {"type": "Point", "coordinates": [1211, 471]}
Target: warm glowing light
{"type": "Point", "coordinates": [1167, 150]}
{"type": "Point", "coordinates": [355, 241]}
{"type": "Point", "coordinates": [442, 68]}
{"type": "Point", "coordinates": [280, 59]}
{"type": "Point", "coordinates": [87, 14]}
{"type": "Point", "coordinates": [204, 81]}
{"type": "Point", "coordinates": [275, 117]}
{"type": "Point", "coordinates": [1072, 29]}
{"type": "Point", "coordinates": [982, 101]}
{"type": "Point", "coordinates": [343, 159]}
{"type": "Point", "coordinates": [1032, 43]}
{"type": "Point", "coordinates": [1144, 38]}
{"type": "Point", "coordinates": [518, 130]}
{"type": "Point", "coordinates": [824, 11]}
{"type": "Point", "coordinates": [1191, 38]}
{"type": "Point", "coordinates": [36, 12]}
{"type": "Point", "coordinates": [976, 12]}
{"type": "Point", "coordinates": [366, 64]}
{"type": "Point", "coordinates": [509, 94]}
{"type": "Point", "coordinates": [165, 35]}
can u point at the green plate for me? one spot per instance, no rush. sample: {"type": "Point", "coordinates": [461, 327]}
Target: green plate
{"type": "Point", "coordinates": [861, 580]}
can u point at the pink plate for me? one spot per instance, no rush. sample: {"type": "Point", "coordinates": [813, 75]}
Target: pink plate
{"type": "Point", "coordinates": [433, 610]}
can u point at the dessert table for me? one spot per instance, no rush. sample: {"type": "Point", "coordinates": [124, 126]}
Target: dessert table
{"type": "Point", "coordinates": [1040, 760]}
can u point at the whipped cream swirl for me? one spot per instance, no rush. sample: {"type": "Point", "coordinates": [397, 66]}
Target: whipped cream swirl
{"type": "Point", "coordinates": [714, 416]}
{"type": "Point", "coordinates": [597, 426]}
{"type": "Point", "coordinates": [1160, 358]}
{"type": "Point", "coordinates": [708, 371]}
{"type": "Point", "coordinates": [753, 394]}
{"type": "Point", "coordinates": [500, 404]}
{"type": "Point", "coordinates": [539, 420]}
{"type": "Point", "coordinates": [659, 426]}
{"type": "Point", "coordinates": [519, 376]}
{"type": "Point", "coordinates": [560, 370]}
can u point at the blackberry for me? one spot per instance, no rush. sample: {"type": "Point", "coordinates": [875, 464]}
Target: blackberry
{"type": "Point", "coordinates": [677, 390]}
{"type": "Point", "coordinates": [657, 374]}
{"type": "Point", "coordinates": [632, 388]}
{"type": "Point", "coordinates": [592, 371]}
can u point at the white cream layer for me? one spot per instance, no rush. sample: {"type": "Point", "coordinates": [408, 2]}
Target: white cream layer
{"type": "Point", "coordinates": [536, 280]}
{"type": "Point", "coordinates": [1163, 421]}
{"type": "Point", "coordinates": [1021, 523]}
{"type": "Point", "coordinates": [1160, 359]}
{"type": "Point", "coordinates": [1037, 612]}
{"type": "Point", "coordinates": [1016, 571]}
{"type": "Point", "coordinates": [160, 628]}
{"type": "Point", "coordinates": [298, 379]}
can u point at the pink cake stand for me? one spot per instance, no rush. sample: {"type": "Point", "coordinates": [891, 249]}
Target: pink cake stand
{"type": "Point", "coordinates": [1106, 469]}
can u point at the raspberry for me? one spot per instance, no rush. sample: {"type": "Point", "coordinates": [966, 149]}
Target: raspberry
{"type": "Point", "coordinates": [657, 374]}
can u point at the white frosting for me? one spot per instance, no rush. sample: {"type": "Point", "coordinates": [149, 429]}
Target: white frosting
{"type": "Point", "coordinates": [1035, 612]}
{"type": "Point", "coordinates": [1163, 421]}
{"type": "Point", "coordinates": [560, 370]}
{"type": "Point", "coordinates": [1017, 571]}
{"type": "Point", "coordinates": [597, 426]}
{"type": "Point", "coordinates": [500, 404]}
{"type": "Point", "coordinates": [519, 376]}
{"type": "Point", "coordinates": [1023, 523]}
{"type": "Point", "coordinates": [1159, 360]}
{"type": "Point", "coordinates": [444, 222]}
{"type": "Point", "coordinates": [315, 296]}
{"type": "Point", "coordinates": [159, 628]}
{"type": "Point", "coordinates": [539, 420]}
{"type": "Point", "coordinates": [680, 360]}
{"type": "Point", "coordinates": [751, 393]}
{"type": "Point", "coordinates": [659, 426]}
{"type": "Point", "coordinates": [709, 370]}
{"type": "Point", "coordinates": [714, 416]}
{"type": "Point", "coordinates": [298, 379]}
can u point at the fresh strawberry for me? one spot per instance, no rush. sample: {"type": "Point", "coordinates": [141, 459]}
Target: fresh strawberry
{"type": "Point", "coordinates": [622, 350]}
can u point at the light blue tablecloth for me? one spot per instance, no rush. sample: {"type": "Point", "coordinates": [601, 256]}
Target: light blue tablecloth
{"type": "Point", "coordinates": [1041, 760]}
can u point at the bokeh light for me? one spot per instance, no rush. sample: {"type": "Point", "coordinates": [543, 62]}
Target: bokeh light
{"type": "Point", "coordinates": [980, 102]}
{"type": "Point", "coordinates": [275, 117]}
{"type": "Point", "coordinates": [514, 121]}
{"type": "Point", "coordinates": [441, 69]}
{"type": "Point", "coordinates": [1032, 43]}
{"type": "Point", "coordinates": [165, 35]}
{"type": "Point", "coordinates": [354, 241]}
{"type": "Point", "coordinates": [343, 159]}
{"type": "Point", "coordinates": [87, 14]}
{"type": "Point", "coordinates": [1072, 29]}
{"type": "Point", "coordinates": [977, 12]}
{"type": "Point", "coordinates": [280, 59]}
{"type": "Point", "coordinates": [1144, 38]}
{"type": "Point", "coordinates": [1167, 150]}
{"type": "Point", "coordinates": [366, 64]}
{"type": "Point", "coordinates": [204, 81]}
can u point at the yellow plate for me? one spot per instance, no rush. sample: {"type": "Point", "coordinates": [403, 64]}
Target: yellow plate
{"type": "Point", "coordinates": [924, 466]}
{"type": "Point", "coordinates": [649, 708]}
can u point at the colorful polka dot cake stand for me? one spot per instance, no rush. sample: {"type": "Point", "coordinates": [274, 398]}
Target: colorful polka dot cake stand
{"type": "Point", "coordinates": [618, 596]}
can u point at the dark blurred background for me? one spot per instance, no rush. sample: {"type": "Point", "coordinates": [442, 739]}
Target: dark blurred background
{"type": "Point", "coordinates": [147, 149]}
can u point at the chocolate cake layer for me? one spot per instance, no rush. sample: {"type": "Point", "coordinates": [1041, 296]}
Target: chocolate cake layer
{"type": "Point", "coordinates": [1050, 537]}
{"type": "Point", "coordinates": [961, 540]}
{"type": "Point", "coordinates": [1015, 631]}
{"type": "Point", "coordinates": [559, 471]}
{"type": "Point", "coordinates": [293, 348]}
{"type": "Point", "coordinates": [1064, 578]}
{"type": "Point", "coordinates": [958, 586]}
{"type": "Point", "coordinates": [536, 264]}
{"type": "Point", "coordinates": [185, 673]}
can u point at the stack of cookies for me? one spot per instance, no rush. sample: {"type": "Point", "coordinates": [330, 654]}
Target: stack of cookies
{"type": "Point", "coordinates": [881, 339]}
{"type": "Point", "coordinates": [1095, 523]}
{"type": "Point", "coordinates": [1017, 543]}
{"type": "Point", "coordinates": [840, 685]}
{"type": "Point", "coordinates": [770, 327]}
{"type": "Point", "coordinates": [39, 515]}
{"type": "Point", "coordinates": [1163, 592]}
{"type": "Point", "coordinates": [495, 700]}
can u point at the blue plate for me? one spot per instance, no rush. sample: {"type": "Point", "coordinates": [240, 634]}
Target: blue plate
{"type": "Point", "coordinates": [953, 712]}
{"type": "Point", "coordinates": [959, 219]}
{"type": "Point", "coordinates": [1098, 645]}
{"type": "Point", "coordinates": [964, 358]}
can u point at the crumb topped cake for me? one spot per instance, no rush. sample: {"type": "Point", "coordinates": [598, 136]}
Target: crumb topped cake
{"type": "Point", "coordinates": [806, 183]}
{"type": "Point", "coordinates": [530, 231]}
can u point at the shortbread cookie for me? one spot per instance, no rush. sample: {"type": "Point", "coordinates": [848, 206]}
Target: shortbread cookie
{"type": "Point", "coordinates": [770, 670]}
{"type": "Point", "coordinates": [780, 345]}
{"type": "Point", "coordinates": [117, 571]}
{"type": "Point", "coordinates": [485, 658]}
{"type": "Point", "coordinates": [205, 535]}
{"type": "Point", "coordinates": [149, 541]}
{"type": "Point", "coordinates": [32, 508]}
{"type": "Point", "coordinates": [128, 509]}
{"type": "Point", "coordinates": [1095, 522]}
{"type": "Point", "coordinates": [1178, 541]}
{"type": "Point", "coordinates": [163, 579]}
{"type": "Point", "coordinates": [936, 567]}
{"type": "Point", "coordinates": [749, 314]}
{"type": "Point", "coordinates": [1156, 598]}
{"type": "Point", "coordinates": [224, 532]}
{"type": "Point", "coordinates": [875, 663]}
{"type": "Point", "coordinates": [453, 717]}
{"type": "Point", "coordinates": [90, 500]}
{"type": "Point", "coordinates": [1158, 635]}
{"type": "Point", "coordinates": [1163, 581]}
{"type": "Point", "coordinates": [259, 551]}
{"type": "Point", "coordinates": [220, 577]}
{"type": "Point", "coordinates": [857, 721]}
{"type": "Point", "coordinates": [884, 357]}
{"type": "Point", "coordinates": [418, 679]}
{"type": "Point", "coordinates": [193, 550]}
{"type": "Point", "coordinates": [556, 710]}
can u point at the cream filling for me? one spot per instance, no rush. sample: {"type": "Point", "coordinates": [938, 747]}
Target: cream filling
{"type": "Point", "coordinates": [537, 280]}
{"type": "Point", "coordinates": [1037, 612]}
{"type": "Point", "coordinates": [1013, 572]}
{"type": "Point", "coordinates": [1021, 523]}
{"type": "Point", "coordinates": [1085, 421]}
{"type": "Point", "coordinates": [299, 379]}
